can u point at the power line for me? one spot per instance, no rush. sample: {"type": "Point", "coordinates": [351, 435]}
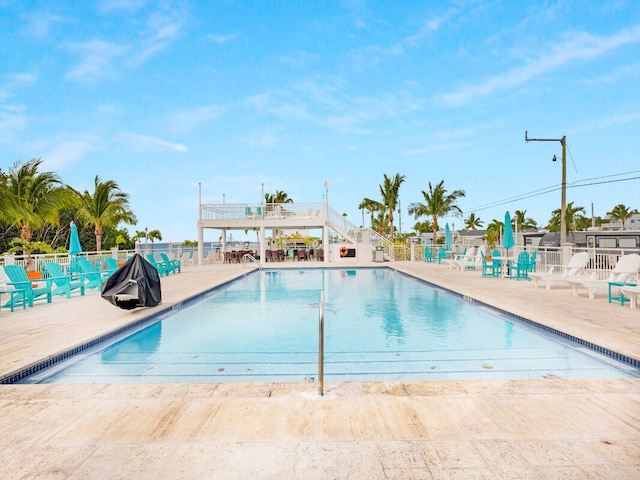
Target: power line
{"type": "Point", "coordinates": [555, 188]}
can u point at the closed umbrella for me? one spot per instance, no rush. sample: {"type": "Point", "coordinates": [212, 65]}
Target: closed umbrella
{"type": "Point", "coordinates": [74, 245]}
{"type": "Point", "coordinates": [447, 237]}
{"type": "Point", "coordinates": [508, 233]}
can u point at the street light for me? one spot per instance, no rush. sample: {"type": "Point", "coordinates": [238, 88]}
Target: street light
{"type": "Point", "coordinates": [563, 206]}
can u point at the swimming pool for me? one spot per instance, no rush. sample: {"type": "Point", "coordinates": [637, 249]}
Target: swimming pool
{"type": "Point", "coordinates": [379, 325]}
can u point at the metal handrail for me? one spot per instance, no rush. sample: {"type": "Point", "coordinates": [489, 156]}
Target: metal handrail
{"type": "Point", "coordinates": [321, 345]}
{"type": "Point", "coordinates": [248, 257]}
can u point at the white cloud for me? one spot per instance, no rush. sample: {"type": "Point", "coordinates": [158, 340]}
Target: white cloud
{"type": "Point", "coordinates": [97, 58]}
{"type": "Point", "coordinates": [138, 142]}
{"type": "Point", "coordinates": [128, 6]}
{"type": "Point", "coordinates": [222, 39]}
{"type": "Point", "coordinates": [189, 120]}
{"type": "Point", "coordinates": [441, 147]}
{"type": "Point", "coordinates": [575, 46]}
{"type": "Point", "coordinates": [69, 152]}
{"type": "Point", "coordinates": [14, 81]}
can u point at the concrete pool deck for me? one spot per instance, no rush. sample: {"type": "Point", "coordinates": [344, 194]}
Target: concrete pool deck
{"type": "Point", "coordinates": [464, 429]}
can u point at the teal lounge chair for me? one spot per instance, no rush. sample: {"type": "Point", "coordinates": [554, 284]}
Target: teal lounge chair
{"type": "Point", "coordinates": [20, 281]}
{"type": "Point", "coordinates": [173, 265]}
{"type": "Point", "coordinates": [95, 277]}
{"type": "Point", "coordinates": [163, 270]}
{"type": "Point", "coordinates": [64, 284]}
{"type": "Point", "coordinates": [111, 264]}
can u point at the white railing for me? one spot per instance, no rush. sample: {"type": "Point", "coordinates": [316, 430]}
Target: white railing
{"type": "Point", "coordinates": [256, 211]}
{"type": "Point", "coordinates": [63, 259]}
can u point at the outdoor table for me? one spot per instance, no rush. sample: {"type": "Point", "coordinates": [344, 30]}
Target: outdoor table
{"type": "Point", "coordinates": [620, 298]}
{"type": "Point", "coordinates": [507, 261]}
{"type": "Point", "coordinates": [14, 294]}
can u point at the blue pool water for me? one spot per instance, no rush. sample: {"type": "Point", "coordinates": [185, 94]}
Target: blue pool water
{"type": "Point", "coordinates": [379, 325]}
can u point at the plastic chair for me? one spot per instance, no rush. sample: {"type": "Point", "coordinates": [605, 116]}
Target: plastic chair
{"type": "Point", "coordinates": [428, 255]}
{"type": "Point", "coordinates": [20, 281]}
{"type": "Point", "coordinates": [520, 268]}
{"type": "Point", "coordinates": [95, 277]}
{"type": "Point", "coordinates": [172, 265]}
{"type": "Point", "coordinates": [65, 284]}
{"type": "Point", "coordinates": [161, 267]}
{"type": "Point", "coordinates": [442, 254]}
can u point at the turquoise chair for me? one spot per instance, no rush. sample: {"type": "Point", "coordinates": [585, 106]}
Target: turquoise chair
{"type": "Point", "coordinates": [520, 268]}
{"type": "Point", "coordinates": [533, 262]}
{"type": "Point", "coordinates": [162, 269]}
{"type": "Point", "coordinates": [428, 255]}
{"type": "Point", "coordinates": [111, 264]}
{"type": "Point", "coordinates": [20, 281]}
{"type": "Point", "coordinates": [64, 284]}
{"type": "Point", "coordinates": [442, 254]}
{"type": "Point", "coordinates": [95, 277]}
{"type": "Point", "coordinates": [493, 267]}
{"type": "Point", "coordinates": [173, 265]}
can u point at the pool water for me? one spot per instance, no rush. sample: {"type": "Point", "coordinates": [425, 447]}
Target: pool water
{"type": "Point", "coordinates": [379, 325]}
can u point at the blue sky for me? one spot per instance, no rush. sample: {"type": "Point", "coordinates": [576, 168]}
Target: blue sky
{"type": "Point", "coordinates": [161, 96]}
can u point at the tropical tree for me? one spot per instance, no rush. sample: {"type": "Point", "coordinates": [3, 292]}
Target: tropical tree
{"type": "Point", "coordinates": [278, 197]}
{"type": "Point", "coordinates": [107, 205]}
{"type": "Point", "coordinates": [31, 198]}
{"type": "Point", "coordinates": [372, 206]}
{"type": "Point", "coordinates": [423, 227]}
{"type": "Point", "coordinates": [492, 233]}
{"type": "Point", "coordinates": [437, 204]}
{"type": "Point", "coordinates": [620, 213]}
{"type": "Point", "coordinates": [521, 222]}
{"type": "Point", "coordinates": [572, 218]}
{"type": "Point", "coordinates": [472, 222]}
{"type": "Point", "coordinates": [389, 190]}
{"type": "Point", "coordinates": [154, 235]}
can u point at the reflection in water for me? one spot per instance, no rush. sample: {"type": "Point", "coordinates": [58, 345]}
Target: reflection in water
{"type": "Point", "coordinates": [143, 345]}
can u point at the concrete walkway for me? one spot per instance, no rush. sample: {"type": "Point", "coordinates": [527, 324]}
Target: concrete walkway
{"type": "Point", "coordinates": [471, 429]}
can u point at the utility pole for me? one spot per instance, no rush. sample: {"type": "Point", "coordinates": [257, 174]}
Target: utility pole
{"type": "Point", "coordinates": [563, 207]}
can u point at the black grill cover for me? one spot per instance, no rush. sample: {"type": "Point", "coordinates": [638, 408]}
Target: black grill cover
{"type": "Point", "coordinates": [143, 274]}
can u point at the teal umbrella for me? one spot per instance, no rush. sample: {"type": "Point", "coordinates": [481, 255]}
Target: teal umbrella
{"type": "Point", "coordinates": [507, 242]}
{"type": "Point", "coordinates": [74, 248]}
{"type": "Point", "coordinates": [74, 241]}
{"type": "Point", "coordinates": [447, 237]}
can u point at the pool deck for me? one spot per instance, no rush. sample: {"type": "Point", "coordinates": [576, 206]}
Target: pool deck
{"type": "Point", "coordinates": [529, 429]}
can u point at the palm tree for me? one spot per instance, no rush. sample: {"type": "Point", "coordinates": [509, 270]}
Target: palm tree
{"type": "Point", "coordinates": [437, 204]}
{"type": "Point", "coordinates": [493, 233]}
{"type": "Point", "coordinates": [32, 199]}
{"type": "Point", "coordinates": [278, 197]}
{"type": "Point", "coordinates": [521, 222]}
{"type": "Point", "coordinates": [154, 235]}
{"type": "Point", "coordinates": [472, 222]}
{"type": "Point", "coordinates": [107, 206]}
{"type": "Point", "coordinates": [620, 213]}
{"type": "Point", "coordinates": [372, 206]}
{"type": "Point", "coordinates": [389, 191]}
{"type": "Point", "coordinates": [572, 216]}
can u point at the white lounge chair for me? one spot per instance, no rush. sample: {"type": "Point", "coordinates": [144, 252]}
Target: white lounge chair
{"type": "Point", "coordinates": [633, 293]}
{"type": "Point", "coordinates": [574, 270]}
{"type": "Point", "coordinates": [466, 261]}
{"type": "Point", "coordinates": [626, 270]}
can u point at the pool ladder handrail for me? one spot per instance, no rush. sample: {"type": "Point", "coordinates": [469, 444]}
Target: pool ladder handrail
{"type": "Point", "coordinates": [321, 345]}
{"type": "Point", "coordinates": [247, 257]}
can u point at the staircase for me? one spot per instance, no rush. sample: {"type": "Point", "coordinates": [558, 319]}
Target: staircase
{"type": "Point", "coordinates": [354, 234]}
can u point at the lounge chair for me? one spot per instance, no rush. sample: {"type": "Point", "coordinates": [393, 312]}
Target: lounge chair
{"type": "Point", "coordinates": [625, 271]}
{"type": "Point", "coordinates": [111, 264]}
{"type": "Point", "coordinates": [64, 284]}
{"type": "Point", "coordinates": [20, 281]}
{"type": "Point", "coordinates": [173, 265]}
{"type": "Point", "coordinates": [632, 293]}
{"type": "Point", "coordinates": [574, 270]}
{"type": "Point", "coordinates": [16, 296]}
{"type": "Point", "coordinates": [161, 267]}
{"type": "Point", "coordinates": [95, 277]}
{"type": "Point", "coordinates": [467, 261]}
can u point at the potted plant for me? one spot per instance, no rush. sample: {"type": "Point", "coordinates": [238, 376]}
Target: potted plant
{"type": "Point", "coordinates": [490, 237]}
{"type": "Point", "coordinates": [27, 248]}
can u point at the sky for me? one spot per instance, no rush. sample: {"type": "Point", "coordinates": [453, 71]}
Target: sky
{"type": "Point", "coordinates": [181, 100]}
